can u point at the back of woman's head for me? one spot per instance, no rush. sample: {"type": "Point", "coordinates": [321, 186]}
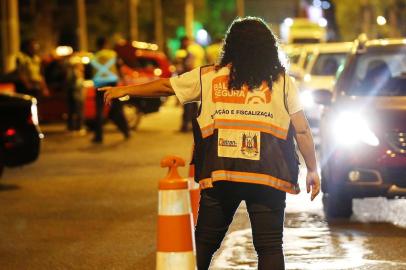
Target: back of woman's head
{"type": "Point", "coordinates": [252, 50]}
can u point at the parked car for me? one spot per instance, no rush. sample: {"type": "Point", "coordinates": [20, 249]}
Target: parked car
{"type": "Point", "coordinates": [321, 72]}
{"type": "Point", "coordinates": [363, 127]}
{"type": "Point", "coordinates": [20, 135]}
{"type": "Point", "coordinates": [142, 62]}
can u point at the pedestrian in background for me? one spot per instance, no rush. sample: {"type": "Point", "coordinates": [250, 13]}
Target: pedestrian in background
{"type": "Point", "coordinates": [74, 85]}
{"type": "Point", "coordinates": [213, 51]}
{"type": "Point", "coordinates": [189, 56]}
{"type": "Point", "coordinates": [244, 139]}
{"type": "Point", "coordinates": [28, 67]}
{"type": "Point", "coordinates": [106, 73]}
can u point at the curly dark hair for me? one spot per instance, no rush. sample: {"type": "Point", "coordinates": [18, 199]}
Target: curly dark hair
{"type": "Point", "coordinates": [251, 50]}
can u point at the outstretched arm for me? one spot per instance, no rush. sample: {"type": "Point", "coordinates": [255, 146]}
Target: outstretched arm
{"type": "Point", "coordinates": [306, 147]}
{"type": "Point", "coordinates": [157, 88]}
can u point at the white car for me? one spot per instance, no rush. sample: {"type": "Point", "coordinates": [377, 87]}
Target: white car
{"type": "Point", "coordinates": [320, 73]}
{"type": "Point", "coordinates": [299, 57]}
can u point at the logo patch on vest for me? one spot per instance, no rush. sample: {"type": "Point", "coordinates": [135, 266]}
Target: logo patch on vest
{"type": "Point", "coordinates": [249, 146]}
{"type": "Point", "coordinates": [221, 93]}
{"type": "Point", "coordinates": [233, 143]}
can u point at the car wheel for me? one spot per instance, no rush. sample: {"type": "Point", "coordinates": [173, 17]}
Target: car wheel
{"type": "Point", "coordinates": [337, 204]}
{"type": "Point", "coordinates": [133, 116]}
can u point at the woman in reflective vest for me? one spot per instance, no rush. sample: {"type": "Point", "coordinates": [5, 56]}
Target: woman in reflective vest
{"type": "Point", "coordinates": [249, 115]}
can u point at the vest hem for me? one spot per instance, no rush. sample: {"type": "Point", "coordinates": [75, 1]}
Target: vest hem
{"type": "Point", "coordinates": [251, 178]}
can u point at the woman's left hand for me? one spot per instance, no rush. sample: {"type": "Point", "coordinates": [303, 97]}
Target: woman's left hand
{"type": "Point", "coordinates": [111, 93]}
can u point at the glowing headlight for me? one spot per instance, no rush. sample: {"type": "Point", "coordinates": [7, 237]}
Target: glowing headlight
{"type": "Point", "coordinates": [351, 128]}
{"type": "Point", "coordinates": [306, 98]}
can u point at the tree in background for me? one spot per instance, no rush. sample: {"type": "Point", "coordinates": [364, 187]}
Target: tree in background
{"type": "Point", "coordinates": [217, 16]}
{"type": "Point", "coordinates": [354, 17]}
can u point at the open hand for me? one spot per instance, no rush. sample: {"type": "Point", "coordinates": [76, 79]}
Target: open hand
{"type": "Point", "coordinates": [111, 93]}
{"type": "Point", "coordinates": [313, 183]}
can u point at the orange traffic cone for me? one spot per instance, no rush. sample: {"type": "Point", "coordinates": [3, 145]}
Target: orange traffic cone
{"type": "Point", "coordinates": [194, 190]}
{"type": "Point", "coordinates": [175, 247]}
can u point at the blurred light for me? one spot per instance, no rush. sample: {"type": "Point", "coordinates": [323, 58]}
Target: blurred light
{"type": "Point", "coordinates": [34, 114]}
{"type": "Point", "coordinates": [88, 83]}
{"type": "Point", "coordinates": [154, 47]}
{"type": "Point", "coordinates": [323, 22]}
{"type": "Point", "coordinates": [325, 5]}
{"type": "Point", "coordinates": [351, 128]}
{"type": "Point", "coordinates": [381, 20]}
{"type": "Point", "coordinates": [315, 13]}
{"type": "Point", "coordinates": [63, 50]}
{"type": "Point", "coordinates": [317, 3]}
{"type": "Point", "coordinates": [202, 37]}
{"type": "Point", "coordinates": [125, 98]}
{"type": "Point", "coordinates": [288, 21]}
{"type": "Point", "coordinates": [307, 78]}
{"type": "Point", "coordinates": [145, 45]}
{"type": "Point", "coordinates": [172, 68]}
{"type": "Point", "coordinates": [354, 176]}
{"type": "Point", "coordinates": [85, 60]}
{"type": "Point", "coordinates": [10, 132]}
{"type": "Point", "coordinates": [306, 98]}
{"type": "Point", "coordinates": [283, 58]}
{"type": "Point", "coordinates": [157, 72]}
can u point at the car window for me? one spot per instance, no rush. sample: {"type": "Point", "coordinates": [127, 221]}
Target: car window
{"type": "Point", "coordinates": [379, 73]}
{"type": "Point", "coordinates": [294, 58]}
{"type": "Point", "coordinates": [327, 64]}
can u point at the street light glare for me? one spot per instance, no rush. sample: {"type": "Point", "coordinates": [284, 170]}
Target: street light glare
{"type": "Point", "coordinates": [288, 21]}
{"type": "Point", "coordinates": [381, 20]}
{"type": "Point", "coordinates": [323, 22]}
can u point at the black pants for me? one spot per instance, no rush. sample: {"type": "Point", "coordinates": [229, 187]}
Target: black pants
{"type": "Point", "coordinates": [116, 115]}
{"type": "Point", "coordinates": [266, 209]}
{"type": "Point", "coordinates": [75, 113]}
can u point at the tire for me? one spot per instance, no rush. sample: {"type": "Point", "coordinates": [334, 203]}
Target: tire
{"type": "Point", "coordinates": [337, 204]}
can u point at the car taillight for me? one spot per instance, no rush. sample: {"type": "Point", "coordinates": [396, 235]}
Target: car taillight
{"type": "Point", "coordinates": [10, 132]}
{"type": "Point", "coordinates": [9, 138]}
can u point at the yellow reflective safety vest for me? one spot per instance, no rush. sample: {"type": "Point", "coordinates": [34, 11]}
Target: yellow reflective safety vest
{"type": "Point", "coordinates": [244, 135]}
{"type": "Point", "coordinates": [104, 65]}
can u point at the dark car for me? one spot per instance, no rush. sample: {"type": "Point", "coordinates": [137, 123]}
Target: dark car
{"type": "Point", "coordinates": [19, 131]}
{"type": "Point", "coordinates": [363, 128]}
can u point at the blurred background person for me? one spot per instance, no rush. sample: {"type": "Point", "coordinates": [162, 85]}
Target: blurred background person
{"type": "Point", "coordinates": [28, 66]}
{"type": "Point", "coordinates": [106, 73]}
{"type": "Point", "coordinates": [213, 51]}
{"type": "Point", "coordinates": [75, 95]}
{"type": "Point", "coordinates": [189, 56]}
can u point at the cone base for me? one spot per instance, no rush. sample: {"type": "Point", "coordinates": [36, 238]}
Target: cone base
{"type": "Point", "coordinates": [175, 261]}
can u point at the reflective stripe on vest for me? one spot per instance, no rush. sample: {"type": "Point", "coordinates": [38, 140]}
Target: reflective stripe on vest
{"type": "Point", "coordinates": [244, 136]}
{"type": "Point", "coordinates": [104, 74]}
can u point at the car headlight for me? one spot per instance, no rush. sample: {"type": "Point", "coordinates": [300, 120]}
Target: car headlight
{"type": "Point", "coordinates": [306, 98]}
{"type": "Point", "coordinates": [350, 128]}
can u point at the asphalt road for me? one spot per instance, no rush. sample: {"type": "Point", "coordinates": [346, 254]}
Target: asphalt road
{"type": "Point", "coordinates": [84, 206]}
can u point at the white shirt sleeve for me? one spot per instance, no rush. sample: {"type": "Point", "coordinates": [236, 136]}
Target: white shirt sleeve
{"type": "Point", "coordinates": [292, 96]}
{"type": "Point", "coordinates": [187, 86]}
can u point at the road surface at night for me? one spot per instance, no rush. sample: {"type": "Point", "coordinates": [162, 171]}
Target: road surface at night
{"type": "Point", "coordinates": [84, 206]}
